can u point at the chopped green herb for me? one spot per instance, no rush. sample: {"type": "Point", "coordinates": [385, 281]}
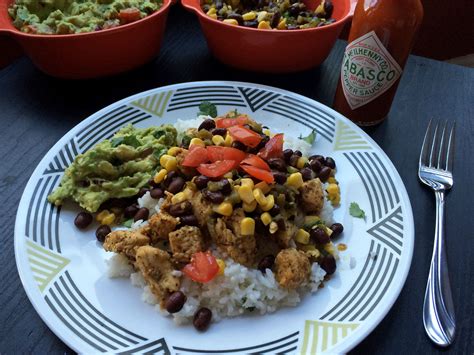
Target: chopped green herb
{"type": "Point", "coordinates": [159, 152]}
{"type": "Point", "coordinates": [130, 140]}
{"type": "Point", "coordinates": [158, 134]}
{"type": "Point", "coordinates": [310, 138]}
{"type": "Point", "coordinates": [207, 108]}
{"type": "Point", "coordinates": [186, 140]}
{"type": "Point", "coordinates": [356, 211]}
{"type": "Point", "coordinates": [128, 223]}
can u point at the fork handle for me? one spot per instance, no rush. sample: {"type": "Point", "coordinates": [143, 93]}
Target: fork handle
{"type": "Point", "coordinates": [438, 310]}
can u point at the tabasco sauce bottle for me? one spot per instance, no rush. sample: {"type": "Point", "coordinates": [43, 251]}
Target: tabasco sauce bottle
{"type": "Point", "coordinates": [380, 40]}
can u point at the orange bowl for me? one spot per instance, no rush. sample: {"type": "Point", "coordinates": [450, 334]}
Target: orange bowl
{"type": "Point", "coordinates": [93, 54]}
{"type": "Point", "coordinates": [274, 51]}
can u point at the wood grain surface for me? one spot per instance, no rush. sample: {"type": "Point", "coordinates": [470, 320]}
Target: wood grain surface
{"type": "Point", "coordinates": [36, 110]}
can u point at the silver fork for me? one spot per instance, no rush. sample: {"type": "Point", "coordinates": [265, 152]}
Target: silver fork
{"type": "Point", "coordinates": [435, 170]}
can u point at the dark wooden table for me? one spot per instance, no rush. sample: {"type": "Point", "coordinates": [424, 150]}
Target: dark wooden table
{"type": "Point", "coordinates": [36, 110]}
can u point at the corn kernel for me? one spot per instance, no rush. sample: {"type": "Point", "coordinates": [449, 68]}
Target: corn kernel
{"type": "Point", "coordinates": [259, 196]}
{"type": "Point", "coordinates": [249, 16]}
{"type": "Point", "coordinates": [273, 228]}
{"type": "Point", "coordinates": [270, 202]}
{"type": "Point", "coordinates": [302, 236]}
{"type": "Point", "coordinates": [228, 175]}
{"type": "Point", "coordinates": [214, 16]}
{"type": "Point", "coordinates": [221, 264]}
{"type": "Point", "coordinates": [282, 24]}
{"type": "Point", "coordinates": [246, 194]}
{"type": "Point", "coordinates": [267, 132]}
{"type": "Point", "coordinates": [188, 193]}
{"type": "Point", "coordinates": [262, 185]}
{"type": "Point", "coordinates": [211, 11]}
{"type": "Point", "coordinates": [164, 159]}
{"type": "Point", "coordinates": [197, 141]}
{"type": "Point", "coordinates": [228, 140]}
{"type": "Point", "coordinates": [249, 207]}
{"type": "Point", "coordinates": [329, 247]}
{"type": "Point", "coordinates": [231, 21]}
{"type": "Point", "coordinates": [266, 218]}
{"type": "Point", "coordinates": [311, 251]}
{"type": "Point", "coordinates": [264, 25]}
{"type": "Point", "coordinates": [225, 209]}
{"type": "Point", "coordinates": [261, 16]}
{"type": "Point", "coordinates": [332, 189]}
{"type": "Point", "coordinates": [218, 140]}
{"type": "Point", "coordinates": [105, 217]}
{"type": "Point", "coordinates": [301, 162]}
{"type": "Point", "coordinates": [160, 176]}
{"type": "Point", "coordinates": [178, 198]}
{"type": "Point", "coordinates": [171, 164]}
{"type": "Point", "coordinates": [295, 180]}
{"type": "Point", "coordinates": [332, 180]}
{"type": "Point", "coordinates": [173, 151]}
{"type": "Point", "coordinates": [247, 181]}
{"type": "Point", "coordinates": [247, 226]}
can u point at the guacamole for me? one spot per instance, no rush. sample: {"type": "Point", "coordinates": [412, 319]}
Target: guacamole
{"type": "Point", "coordinates": [115, 168]}
{"type": "Point", "coordinates": [76, 16]}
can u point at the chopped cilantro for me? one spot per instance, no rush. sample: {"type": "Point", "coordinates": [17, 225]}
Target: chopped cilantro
{"type": "Point", "coordinates": [310, 138]}
{"type": "Point", "coordinates": [159, 152]}
{"type": "Point", "coordinates": [356, 211]}
{"type": "Point", "coordinates": [128, 223]}
{"type": "Point", "coordinates": [207, 108]}
{"type": "Point", "coordinates": [130, 140]}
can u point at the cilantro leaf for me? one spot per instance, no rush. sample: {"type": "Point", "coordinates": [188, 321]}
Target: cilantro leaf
{"type": "Point", "coordinates": [130, 140]}
{"type": "Point", "coordinates": [356, 211]}
{"type": "Point", "coordinates": [207, 108]}
{"type": "Point", "coordinates": [128, 223]}
{"type": "Point", "coordinates": [159, 152]}
{"type": "Point", "coordinates": [310, 138]}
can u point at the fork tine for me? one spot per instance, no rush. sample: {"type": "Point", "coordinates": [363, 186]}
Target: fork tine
{"type": "Point", "coordinates": [434, 147]}
{"type": "Point", "coordinates": [450, 153]}
{"type": "Point", "coordinates": [424, 155]}
{"type": "Point", "coordinates": [443, 149]}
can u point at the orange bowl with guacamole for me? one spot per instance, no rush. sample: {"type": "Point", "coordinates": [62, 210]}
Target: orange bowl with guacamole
{"type": "Point", "coordinates": [86, 38]}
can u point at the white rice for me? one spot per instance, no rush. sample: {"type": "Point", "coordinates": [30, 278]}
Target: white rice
{"type": "Point", "coordinates": [240, 290]}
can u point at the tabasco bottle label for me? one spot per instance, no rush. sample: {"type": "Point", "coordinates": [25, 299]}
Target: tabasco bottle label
{"type": "Point", "coordinates": [368, 70]}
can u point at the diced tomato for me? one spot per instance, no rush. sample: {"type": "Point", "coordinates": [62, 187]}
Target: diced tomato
{"type": "Point", "coordinates": [245, 135]}
{"type": "Point", "coordinates": [129, 15]}
{"type": "Point", "coordinates": [202, 268]}
{"type": "Point", "coordinates": [196, 156]}
{"type": "Point", "coordinates": [229, 122]}
{"type": "Point", "coordinates": [216, 153]}
{"type": "Point", "coordinates": [273, 148]}
{"type": "Point", "coordinates": [217, 168]}
{"type": "Point", "coordinates": [255, 161]}
{"type": "Point", "coordinates": [258, 173]}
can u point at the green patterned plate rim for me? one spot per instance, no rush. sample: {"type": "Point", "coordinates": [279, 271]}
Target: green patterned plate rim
{"type": "Point", "coordinates": [64, 274]}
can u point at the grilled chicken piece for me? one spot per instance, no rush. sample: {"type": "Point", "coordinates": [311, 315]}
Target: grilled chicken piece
{"type": "Point", "coordinates": [202, 209]}
{"type": "Point", "coordinates": [125, 242]}
{"type": "Point", "coordinates": [161, 225]}
{"type": "Point", "coordinates": [286, 234]}
{"type": "Point", "coordinates": [157, 270]}
{"type": "Point", "coordinates": [292, 268]}
{"type": "Point", "coordinates": [312, 196]}
{"type": "Point", "coordinates": [185, 242]}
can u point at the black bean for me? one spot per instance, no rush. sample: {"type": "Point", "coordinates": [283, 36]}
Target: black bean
{"type": "Point", "coordinates": [260, 145]}
{"type": "Point", "coordinates": [176, 185]}
{"type": "Point", "coordinates": [287, 153]}
{"type": "Point", "coordinates": [202, 319]}
{"type": "Point", "coordinates": [275, 19]}
{"type": "Point", "coordinates": [294, 10]}
{"type": "Point", "coordinates": [142, 214]}
{"type": "Point", "coordinates": [102, 232]}
{"type": "Point", "coordinates": [277, 164]}
{"type": "Point", "coordinates": [274, 210]}
{"type": "Point", "coordinates": [130, 211]}
{"type": "Point", "coordinates": [156, 193]}
{"type": "Point", "coordinates": [169, 177]}
{"type": "Point", "coordinates": [328, 8]}
{"type": "Point", "coordinates": [319, 235]}
{"type": "Point", "coordinates": [280, 178]}
{"type": "Point", "coordinates": [175, 302]}
{"type": "Point", "coordinates": [219, 4]}
{"type": "Point", "coordinates": [307, 173]}
{"type": "Point", "coordinates": [207, 124]}
{"type": "Point", "coordinates": [239, 145]}
{"type": "Point", "coordinates": [324, 174]}
{"type": "Point", "coordinates": [330, 163]}
{"type": "Point", "coordinates": [226, 187]}
{"type": "Point", "coordinates": [142, 191]}
{"type": "Point", "coordinates": [315, 165]}
{"type": "Point", "coordinates": [152, 183]}
{"type": "Point", "coordinates": [189, 220]}
{"type": "Point", "coordinates": [298, 153]}
{"type": "Point", "coordinates": [294, 160]}
{"type": "Point", "coordinates": [252, 23]}
{"type": "Point", "coordinates": [83, 220]}
{"type": "Point", "coordinates": [317, 157]}
{"type": "Point", "coordinates": [214, 196]}
{"type": "Point", "coordinates": [206, 7]}
{"type": "Point", "coordinates": [201, 181]}
{"type": "Point", "coordinates": [328, 264]}
{"type": "Point", "coordinates": [266, 263]}
{"type": "Point", "coordinates": [180, 209]}
{"type": "Point", "coordinates": [236, 17]}
{"type": "Point", "coordinates": [337, 229]}
{"type": "Point", "coordinates": [219, 132]}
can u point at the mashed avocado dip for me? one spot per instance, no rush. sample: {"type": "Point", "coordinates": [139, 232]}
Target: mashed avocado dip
{"type": "Point", "coordinates": [115, 168]}
{"type": "Point", "coordinates": [76, 16]}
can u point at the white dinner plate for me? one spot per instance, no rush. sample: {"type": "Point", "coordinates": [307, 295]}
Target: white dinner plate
{"type": "Point", "coordinates": [63, 270]}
